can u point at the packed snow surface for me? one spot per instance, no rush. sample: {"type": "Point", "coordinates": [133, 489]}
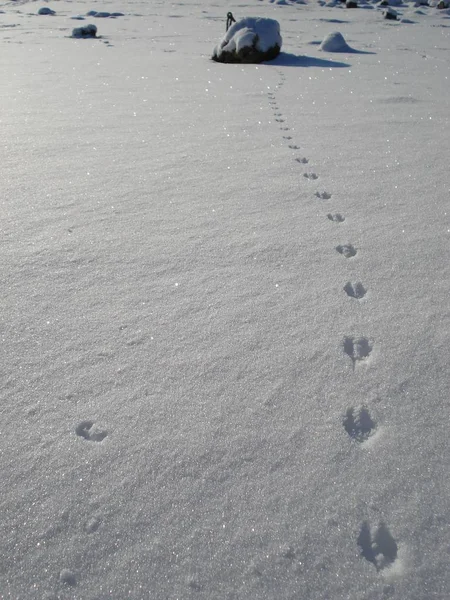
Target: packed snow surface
{"type": "Point", "coordinates": [225, 306]}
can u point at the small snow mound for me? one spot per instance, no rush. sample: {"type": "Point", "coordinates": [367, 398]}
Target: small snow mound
{"type": "Point", "coordinates": [45, 10]}
{"type": "Point", "coordinates": [87, 31]}
{"type": "Point", "coordinates": [334, 42]}
{"type": "Point", "coordinates": [251, 40]}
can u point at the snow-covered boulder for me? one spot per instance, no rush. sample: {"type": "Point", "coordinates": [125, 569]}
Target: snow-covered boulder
{"type": "Point", "coordinates": [45, 10]}
{"type": "Point", "coordinates": [335, 42]}
{"type": "Point", "coordinates": [87, 31]}
{"type": "Point", "coordinates": [251, 40]}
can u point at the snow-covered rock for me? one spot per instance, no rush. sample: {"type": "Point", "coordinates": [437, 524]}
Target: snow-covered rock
{"type": "Point", "coordinates": [104, 14]}
{"type": "Point", "coordinates": [251, 40]}
{"type": "Point", "coordinates": [87, 31]}
{"type": "Point", "coordinates": [45, 10]}
{"type": "Point", "coordinates": [390, 13]}
{"type": "Point", "coordinates": [335, 42]}
{"type": "Point", "coordinates": [391, 3]}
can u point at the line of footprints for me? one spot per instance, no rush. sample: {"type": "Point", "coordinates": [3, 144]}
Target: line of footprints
{"type": "Point", "coordinates": [376, 544]}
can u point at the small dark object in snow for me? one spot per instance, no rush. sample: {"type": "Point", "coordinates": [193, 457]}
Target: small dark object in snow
{"type": "Point", "coordinates": [351, 4]}
{"type": "Point", "coordinates": [390, 14]}
{"type": "Point", "coordinates": [443, 4]}
{"type": "Point", "coordinates": [230, 20]}
{"type": "Point", "coordinates": [88, 31]}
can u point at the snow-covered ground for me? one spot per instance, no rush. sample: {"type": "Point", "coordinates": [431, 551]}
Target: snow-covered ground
{"type": "Point", "coordinates": [225, 305]}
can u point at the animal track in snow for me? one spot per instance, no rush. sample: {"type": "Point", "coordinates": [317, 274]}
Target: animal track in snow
{"type": "Point", "coordinates": [323, 195]}
{"type": "Point", "coordinates": [92, 525]}
{"type": "Point", "coordinates": [355, 290]}
{"type": "Point", "coordinates": [336, 218]}
{"type": "Point", "coordinates": [279, 120]}
{"type": "Point", "coordinates": [377, 545]}
{"type": "Point", "coordinates": [68, 577]}
{"type": "Point", "coordinates": [278, 114]}
{"type": "Point", "coordinates": [357, 348]}
{"type": "Point", "coordinates": [284, 128]}
{"type": "Point", "coordinates": [346, 250]}
{"type": "Point", "coordinates": [294, 147]}
{"type": "Point", "coordinates": [89, 431]}
{"type": "Point", "coordinates": [310, 176]}
{"type": "Point", "coordinates": [287, 137]}
{"type": "Point", "coordinates": [302, 161]}
{"type": "Point", "coordinates": [358, 423]}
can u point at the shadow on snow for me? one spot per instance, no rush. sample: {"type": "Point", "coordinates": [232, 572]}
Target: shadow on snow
{"type": "Point", "coordinates": [285, 59]}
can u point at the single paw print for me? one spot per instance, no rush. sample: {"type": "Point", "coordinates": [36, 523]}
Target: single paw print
{"type": "Point", "coordinates": [359, 424]}
{"type": "Point", "coordinates": [358, 349]}
{"type": "Point", "coordinates": [355, 290]}
{"type": "Point", "coordinates": [336, 218]}
{"type": "Point", "coordinates": [377, 545]}
{"type": "Point", "coordinates": [91, 432]}
{"type": "Point", "coordinates": [347, 250]}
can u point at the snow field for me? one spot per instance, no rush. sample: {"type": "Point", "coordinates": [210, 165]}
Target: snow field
{"type": "Point", "coordinates": [196, 402]}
